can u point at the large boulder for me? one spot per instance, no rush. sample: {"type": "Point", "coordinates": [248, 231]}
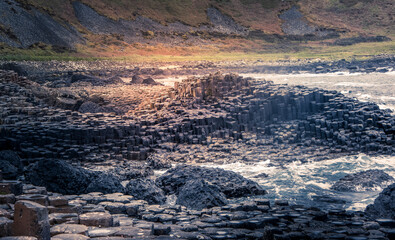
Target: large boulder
{"type": "Point", "coordinates": [384, 205]}
{"type": "Point", "coordinates": [228, 182]}
{"type": "Point", "coordinates": [10, 164]}
{"type": "Point", "coordinates": [61, 177]}
{"type": "Point", "coordinates": [369, 180]}
{"type": "Point", "coordinates": [90, 107]}
{"type": "Point", "coordinates": [145, 189]}
{"type": "Point", "coordinates": [198, 194]}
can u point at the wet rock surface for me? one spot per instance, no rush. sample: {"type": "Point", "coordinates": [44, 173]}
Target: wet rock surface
{"type": "Point", "coordinates": [255, 219]}
{"type": "Point", "coordinates": [383, 206]}
{"type": "Point", "coordinates": [59, 176]}
{"type": "Point", "coordinates": [369, 180]}
{"type": "Point", "coordinates": [145, 189]}
{"type": "Point", "coordinates": [212, 119]}
{"type": "Point", "coordinates": [198, 194]}
{"type": "Point", "coordinates": [229, 183]}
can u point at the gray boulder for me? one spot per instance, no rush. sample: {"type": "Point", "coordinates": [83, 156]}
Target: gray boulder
{"type": "Point", "coordinates": [61, 177]}
{"type": "Point", "coordinates": [369, 180]}
{"type": "Point", "coordinates": [384, 205]}
{"type": "Point", "coordinates": [145, 189]}
{"type": "Point", "coordinates": [198, 194]}
{"type": "Point", "coordinates": [228, 182]}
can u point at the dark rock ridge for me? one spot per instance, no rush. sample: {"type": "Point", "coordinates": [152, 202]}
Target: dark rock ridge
{"type": "Point", "coordinates": [384, 205]}
{"type": "Point", "coordinates": [145, 189]}
{"type": "Point", "coordinates": [369, 180]}
{"type": "Point", "coordinates": [143, 29]}
{"type": "Point", "coordinates": [198, 194]}
{"type": "Point", "coordinates": [28, 27]}
{"type": "Point", "coordinates": [59, 176]}
{"type": "Point", "coordinates": [229, 183]}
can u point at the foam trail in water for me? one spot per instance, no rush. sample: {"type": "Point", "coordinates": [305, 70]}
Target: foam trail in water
{"type": "Point", "coordinates": [302, 183]}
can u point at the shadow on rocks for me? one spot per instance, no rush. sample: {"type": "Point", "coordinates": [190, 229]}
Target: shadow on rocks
{"type": "Point", "coordinates": [61, 177]}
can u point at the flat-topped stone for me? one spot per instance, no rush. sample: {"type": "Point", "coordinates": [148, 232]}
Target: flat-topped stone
{"type": "Point", "coordinates": [31, 219]}
{"type": "Point", "coordinates": [98, 219]}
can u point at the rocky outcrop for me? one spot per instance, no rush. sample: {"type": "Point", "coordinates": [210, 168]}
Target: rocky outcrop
{"type": "Point", "coordinates": [27, 27]}
{"type": "Point", "coordinates": [229, 183]}
{"type": "Point", "coordinates": [90, 107]}
{"type": "Point", "coordinates": [384, 205]}
{"type": "Point", "coordinates": [59, 176]}
{"type": "Point", "coordinates": [136, 79]}
{"type": "Point", "coordinates": [145, 189]}
{"type": "Point", "coordinates": [10, 165]}
{"type": "Point", "coordinates": [369, 180]}
{"type": "Point", "coordinates": [295, 24]}
{"type": "Point", "coordinates": [198, 194]}
{"type": "Point", "coordinates": [95, 81]}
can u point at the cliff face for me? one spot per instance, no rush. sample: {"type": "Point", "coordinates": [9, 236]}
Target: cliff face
{"type": "Point", "coordinates": [177, 23]}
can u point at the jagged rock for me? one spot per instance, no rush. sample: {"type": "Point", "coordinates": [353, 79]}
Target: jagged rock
{"type": "Point", "coordinates": [198, 194]}
{"type": "Point", "coordinates": [363, 181]}
{"type": "Point", "coordinates": [137, 79]}
{"type": "Point", "coordinates": [145, 189]}
{"type": "Point", "coordinates": [10, 164]}
{"type": "Point", "coordinates": [31, 219]}
{"type": "Point", "coordinates": [150, 81]}
{"type": "Point", "coordinates": [105, 183]}
{"type": "Point", "coordinates": [228, 182]}
{"type": "Point", "coordinates": [132, 171]}
{"type": "Point", "coordinates": [384, 205]}
{"type": "Point", "coordinates": [59, 176]}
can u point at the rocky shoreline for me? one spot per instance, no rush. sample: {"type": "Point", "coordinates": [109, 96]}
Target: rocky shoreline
{"type": "Point", "coordinates": [118, 216]}
{"type": "Point", "coordinates": [91, 143]}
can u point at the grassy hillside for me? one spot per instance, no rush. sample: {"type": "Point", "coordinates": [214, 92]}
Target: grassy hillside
{"type": "Point", "coordinates": [354, 17]}
{"type": "Point", "coordinates": [364, 16]}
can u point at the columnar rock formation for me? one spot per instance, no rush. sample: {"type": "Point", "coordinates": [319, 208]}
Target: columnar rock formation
{"type": "Point", "coordinates": [195, 112]}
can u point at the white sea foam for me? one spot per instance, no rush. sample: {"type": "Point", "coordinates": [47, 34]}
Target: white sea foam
{"type": "Point", "coordinates": [298, 182]}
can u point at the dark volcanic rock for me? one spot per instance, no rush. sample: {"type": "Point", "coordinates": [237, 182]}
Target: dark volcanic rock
{"type": "Point", "coordinates": [384, 205]}
{"type": "Point", "coordinates": [136, 79]}
{"type": "Point", "coordinates": [150, 81]}
{"type": "Point", "coordinates": [105, 183]}
{"type": "Point", "coordinates": [90, 107]}
{"type": "Point", "coordinates": [145, 189]}
{"type": "Point", "coordinates": [228, 182]}
{"type": "Point", "coordinates": [198, 194]}
{"type": "Point", "coordinates": [59, 176]}
{"type": "Point", "coordinates": [95, 81]}
{"type": "Point", "coordinates": [10, 164]}
{"type": "Point", "coordinates": [363, 181]}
